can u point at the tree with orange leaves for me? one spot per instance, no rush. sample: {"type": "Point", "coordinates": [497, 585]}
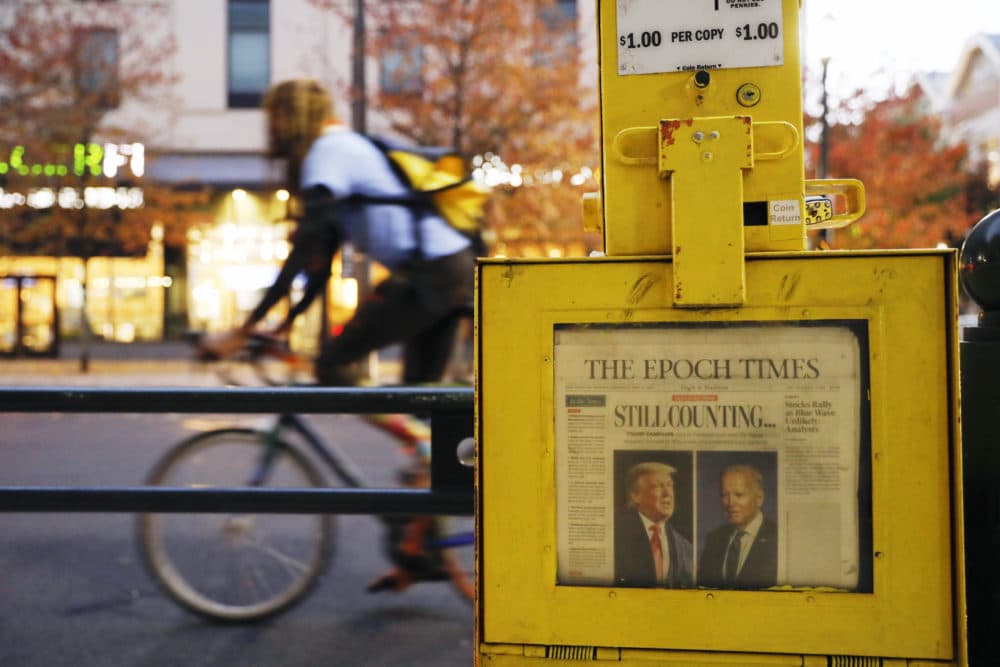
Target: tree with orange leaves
{"type": "Point", "coordinates": [502, 83]}
{"type": "Point", "coordinates": [77, 79]}
{"type": "Point", "coordinates": [915, 184]}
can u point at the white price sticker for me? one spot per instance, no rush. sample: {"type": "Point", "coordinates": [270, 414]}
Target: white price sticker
{"type": "Point", "coordinates": [687, 35]}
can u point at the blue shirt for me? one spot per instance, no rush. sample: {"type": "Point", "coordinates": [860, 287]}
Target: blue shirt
{"type": "Point", "coordinates": [347, 163]}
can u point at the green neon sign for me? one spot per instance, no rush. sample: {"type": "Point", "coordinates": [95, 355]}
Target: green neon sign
{"type": "Point", "coordinates": [83, 159]}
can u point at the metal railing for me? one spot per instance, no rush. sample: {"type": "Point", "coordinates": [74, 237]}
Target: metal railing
{"type": "Point", "coordinates": [451, 417]}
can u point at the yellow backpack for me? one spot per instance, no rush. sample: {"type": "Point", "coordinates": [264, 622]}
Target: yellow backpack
{"type": "Point", "coordinates": [437, 179]}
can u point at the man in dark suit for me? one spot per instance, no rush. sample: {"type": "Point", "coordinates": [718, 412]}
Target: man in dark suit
{"type": "Point", "coordinates": [744, 552]}
{"type": "Point", "coordinates": [649, 553]}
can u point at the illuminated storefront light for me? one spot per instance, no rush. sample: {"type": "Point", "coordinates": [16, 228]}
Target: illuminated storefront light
{"type": "Point", "coordinates": [347, 293]}
{"type": "Point", "coordinates": [117, 156]}
{"type": "Point", "coordinates": [70, 198]}
{"type": "Point", "coordinates": [105, 198]}
{"type": "Point", "coordinates": [125, 332]}
{"type": "Point", "coordinates": [207, 302]}
{"type": "Point", "coordinates": [108, 160]}
{"type": "Point", "coordinates": [490, 170]}
{"type": "Point", "coordinates": [42, 198]}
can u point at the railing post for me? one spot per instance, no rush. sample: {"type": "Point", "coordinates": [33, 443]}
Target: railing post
{"type": "Point", "coordinates": [980, 406]}
{"type": "Point", "coordinates": [447, 430]}
{"type": "Point", "coordinates": [980, 375]}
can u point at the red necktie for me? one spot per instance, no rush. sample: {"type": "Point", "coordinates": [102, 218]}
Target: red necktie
{"type": "Point", "coordinates": [654, 543]}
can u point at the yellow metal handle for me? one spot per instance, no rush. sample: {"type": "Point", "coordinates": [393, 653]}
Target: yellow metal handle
{"type": "Point", "coordinates": [635, 146]}
{"type": "Point", "coordinates": [851, 190]}
{"type": "Point", "coordinates": [777, 132]}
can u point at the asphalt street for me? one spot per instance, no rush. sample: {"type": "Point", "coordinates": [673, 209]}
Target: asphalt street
{"type": "Point", "coordinates": [75, 592]}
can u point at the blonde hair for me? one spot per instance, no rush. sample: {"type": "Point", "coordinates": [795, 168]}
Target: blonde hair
{"type": "Point", "coordinates": [297, 110]}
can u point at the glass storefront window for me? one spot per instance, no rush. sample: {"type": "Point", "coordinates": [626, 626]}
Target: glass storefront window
{"type": "Point", "coordinates": [124, 296]}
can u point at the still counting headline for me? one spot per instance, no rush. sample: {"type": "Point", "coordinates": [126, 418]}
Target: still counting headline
{"type": "Point", "coordinates": [701, 410]}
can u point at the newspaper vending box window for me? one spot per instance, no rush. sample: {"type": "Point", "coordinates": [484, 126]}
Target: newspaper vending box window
{"type": "Point", "coordinates": [758, 432]}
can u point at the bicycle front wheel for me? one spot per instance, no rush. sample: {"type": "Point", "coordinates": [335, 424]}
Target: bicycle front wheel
{"type": "Point", "coordinates": [241, 567]}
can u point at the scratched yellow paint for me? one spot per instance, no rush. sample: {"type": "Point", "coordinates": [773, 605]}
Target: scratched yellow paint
{"type": "Point", "coordinates": [704, 158]}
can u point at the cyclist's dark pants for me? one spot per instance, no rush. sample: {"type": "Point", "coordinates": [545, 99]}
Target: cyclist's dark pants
{"type": "Point", "coordinates": [417, 305]}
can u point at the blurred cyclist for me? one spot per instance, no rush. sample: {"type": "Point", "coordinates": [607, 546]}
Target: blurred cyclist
{"type": "Point", "coordinates": [430, 264]}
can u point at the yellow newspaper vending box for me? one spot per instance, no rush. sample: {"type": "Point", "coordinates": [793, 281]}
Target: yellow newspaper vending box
{"type": "Point", "coordinates": [712, 446]}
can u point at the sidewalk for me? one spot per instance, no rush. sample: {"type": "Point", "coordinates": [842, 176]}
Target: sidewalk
{"type": "Point", "coordinates": [159, 364]}
{"type": "Point", "coordinates": [169, 364]}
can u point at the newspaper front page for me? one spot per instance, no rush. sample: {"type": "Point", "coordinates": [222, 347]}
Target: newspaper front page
{"type": "Point", "coordinates": [742, 441]}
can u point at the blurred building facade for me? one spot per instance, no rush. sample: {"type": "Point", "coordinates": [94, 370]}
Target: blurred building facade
{"type": "Point", "coordinates": [227, 53]}
{"type": "Point", "coordinates": [968, 101]}
{"type": "Point", "coordinates": [972, 111]}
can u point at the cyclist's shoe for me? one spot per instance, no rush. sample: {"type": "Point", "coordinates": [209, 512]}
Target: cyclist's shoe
{"type": "Point", "coordinates": [394, 580]}
{"type": "Point", "coordinates": [406, 545]}
{"type": "Point", "coordinates": [398, 579]}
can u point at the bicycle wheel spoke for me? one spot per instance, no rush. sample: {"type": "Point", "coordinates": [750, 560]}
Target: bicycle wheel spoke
{"type": "Point", "coordinates": [255, 582]}
{"type": "Point", "coordinates": [292, 564]}
{"type": "Point", "coordinates": [235, 567]}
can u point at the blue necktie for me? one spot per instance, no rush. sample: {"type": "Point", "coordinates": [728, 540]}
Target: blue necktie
{"type": "Point", "coordinates": [733, 556]}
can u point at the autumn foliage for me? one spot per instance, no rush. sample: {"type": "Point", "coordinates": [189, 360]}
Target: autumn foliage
{"type": "Point", "coordinates": [76, 74]}
{"type": "Point", "coordinates": [500, 80]}
{"type": "Point", "coordinates": [916, 185]}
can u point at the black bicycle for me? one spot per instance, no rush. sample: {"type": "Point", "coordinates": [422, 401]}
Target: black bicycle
{"type": "Point", "coordinates": [247, 567]}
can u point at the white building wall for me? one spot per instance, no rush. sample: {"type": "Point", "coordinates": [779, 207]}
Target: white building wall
{"type": "Point", "coordinates": [200, 26]}
{"type": "Point", "coordinates": [304, 42]}
{"type": "Point", "coordinates": [587, 39]}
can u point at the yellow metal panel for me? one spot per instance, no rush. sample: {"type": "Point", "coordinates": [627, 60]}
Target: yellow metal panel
{"type": "Point", "coordinates": [690, 659]}
{"type": "Point", "coordinates": [501, 656]}
{"type": "Point", "coordinates": [909, 305]}
{"type": "Point", "coordinates": [957, 477]}
{"type": "Point", "coordinates": [705, 159]}
{"type": "Point", "coordinates": [636, 200]}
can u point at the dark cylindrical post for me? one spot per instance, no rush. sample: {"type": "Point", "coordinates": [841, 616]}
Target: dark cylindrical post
{"type": "Point", "coordinates": [359, 92]}
{"type": "Point", "coordinates": [980, 372]}
{"type": "Point", "coordinates": [823, 168]}
{"type": "Point", "coordinates": [359, 122]}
